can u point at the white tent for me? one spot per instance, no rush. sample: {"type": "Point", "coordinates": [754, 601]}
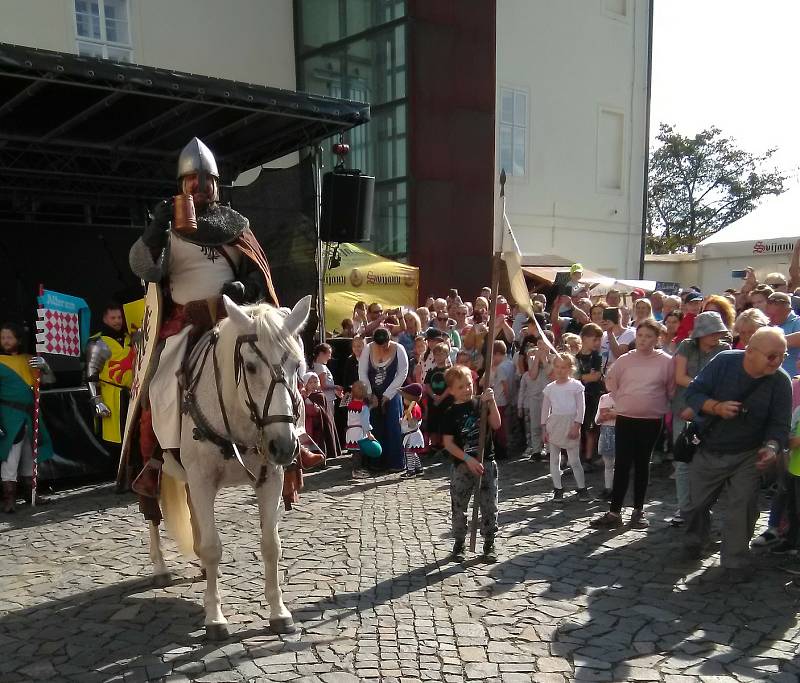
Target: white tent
{"type": "Point", "coordinates": [776, 222]}
{"type": "Point", "coordinates": [763, 239]}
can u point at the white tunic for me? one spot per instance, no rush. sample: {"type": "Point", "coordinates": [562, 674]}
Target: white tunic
{"type": "Point", "coordinates": [197, 272]}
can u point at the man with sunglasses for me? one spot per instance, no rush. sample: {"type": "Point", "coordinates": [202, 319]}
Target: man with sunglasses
{"type": "Point", "coordinates": [780, 314]}
{"type": "Point", "coordinates": [744, 400]}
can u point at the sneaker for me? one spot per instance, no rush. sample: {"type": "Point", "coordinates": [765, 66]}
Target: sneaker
{"type": "Point", "coordinates": [419, 472]}
{"type": "Point", "coordinates": [458, 554]}
{"type": "Point", "coordinates": [537, 456]}
{"type": "Point", "coordinates": [408, 474]}
{"type": "Point", "coordinates": [605, 495]}
{"type": "Point", "coordinates": [677, 519]}
{"type": "Point", "coordinates": [583, 495]}
{"type": "Point", "coordinates": [609, 520]}
{"type": "Point", "coordinates": [638, 520]}
{"type": "Point", "coordinates": [489, 552]}
{"type": "Point", "coordinates": [783, 547]}
{"type": "Point", "coordinates": [558, 495]}
{"type": "Point", "coordinates": [768, 538]}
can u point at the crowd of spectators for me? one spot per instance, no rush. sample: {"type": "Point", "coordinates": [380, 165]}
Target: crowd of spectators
{"type": "Point", "coordinates": [608, 381]}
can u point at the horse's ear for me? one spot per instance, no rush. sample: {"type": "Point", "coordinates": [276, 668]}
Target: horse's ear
{"type": "Point", "coordinates": [237, 314]}
{"type": "Point", "coordinates": [297, 318]}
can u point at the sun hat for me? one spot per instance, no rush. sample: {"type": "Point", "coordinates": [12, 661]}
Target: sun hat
{"type": "Point", "coordinates": [370, 448]}
{"type": "Point", "coordinates": [413, 391]}
{"type": "Point", "coordinates": [706, 323]}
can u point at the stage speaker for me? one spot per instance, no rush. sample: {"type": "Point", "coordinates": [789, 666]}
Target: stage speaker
{"type": "Point", "coordinates": [347, 198]}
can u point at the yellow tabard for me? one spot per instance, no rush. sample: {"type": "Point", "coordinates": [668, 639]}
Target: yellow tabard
{"type": "Point", "coordinates": [116, 375]}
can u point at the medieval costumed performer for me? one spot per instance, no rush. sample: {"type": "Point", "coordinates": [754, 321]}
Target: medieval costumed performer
{"type": "Point", "coordinates": [16, 416]}
{"type": "Point", "coordinates": [109, 374]}
{"type": "Point", "coordinates": [195, 262]}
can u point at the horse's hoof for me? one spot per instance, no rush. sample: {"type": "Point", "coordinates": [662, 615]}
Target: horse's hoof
{"type": "Point", "coordinates": [216, 631]}
{"type": "Point", "coordinates": [282, 625]}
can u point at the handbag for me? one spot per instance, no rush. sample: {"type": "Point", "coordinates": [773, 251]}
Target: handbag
{"type": "Point", "coordinates": [687, 441]}
{"type": "Point", "coordinates": [690, 437]}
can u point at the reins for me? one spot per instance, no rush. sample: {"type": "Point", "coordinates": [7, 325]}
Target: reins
{"type": "Point", "coordinates": [193, 371]}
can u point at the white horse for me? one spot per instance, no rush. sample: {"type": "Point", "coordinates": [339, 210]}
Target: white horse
{"type": "Point", "coordinates": [241, 389]}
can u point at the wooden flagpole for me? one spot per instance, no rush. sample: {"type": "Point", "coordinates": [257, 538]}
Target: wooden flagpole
{"type": "Point", "coordinates": [497, 264]}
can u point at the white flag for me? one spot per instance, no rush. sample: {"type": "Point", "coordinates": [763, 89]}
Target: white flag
{"type": "Point", "coordinates": [512, 257]}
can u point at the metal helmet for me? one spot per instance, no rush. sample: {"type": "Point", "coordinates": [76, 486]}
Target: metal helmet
{"type": "Point", "coordinates": [196, 157]}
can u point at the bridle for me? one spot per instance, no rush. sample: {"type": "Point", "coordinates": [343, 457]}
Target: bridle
{"type": "Point", "coordinates": [259, 416]}
{"type": "Point", "coordinates": [262, 418]}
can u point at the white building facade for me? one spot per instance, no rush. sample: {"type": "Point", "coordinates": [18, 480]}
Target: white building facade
{"type": "Point", "coordinates": [572, 113]}
{"type": "Point", "coordinates": [246, 40]}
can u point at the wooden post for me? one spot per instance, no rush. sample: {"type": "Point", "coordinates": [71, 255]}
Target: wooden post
{"type": "Point", "coordinates": [497, 264]}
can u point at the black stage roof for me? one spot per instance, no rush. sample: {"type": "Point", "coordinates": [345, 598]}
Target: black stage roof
{"type": "Point", "coordinates": [81, 127]}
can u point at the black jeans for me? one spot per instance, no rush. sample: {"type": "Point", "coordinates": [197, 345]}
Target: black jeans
{"type": "Point", "coordinates": [635, 439]}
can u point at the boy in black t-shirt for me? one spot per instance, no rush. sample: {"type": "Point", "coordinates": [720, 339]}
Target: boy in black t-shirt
{"type": "Point", "coordinates": [460, 431]}
{"type": "Point", "coordinates": [589, 365]}
{"type": "Point", "coordinates": [435, 388]}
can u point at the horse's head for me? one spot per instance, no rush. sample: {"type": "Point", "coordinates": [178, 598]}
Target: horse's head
{"type": "Point", "coordinates": [266, 354]}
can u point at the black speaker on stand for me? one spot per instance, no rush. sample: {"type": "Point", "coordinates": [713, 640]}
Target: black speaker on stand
{"type": "Point", "coordinates": [347, 199]}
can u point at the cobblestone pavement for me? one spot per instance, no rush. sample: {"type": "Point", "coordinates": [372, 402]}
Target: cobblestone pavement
{"type": "Point", "coordinates": [375, 597]}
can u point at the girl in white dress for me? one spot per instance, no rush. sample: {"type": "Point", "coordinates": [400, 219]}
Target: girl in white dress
{"type": "Point", "coordinates": [563, 408]}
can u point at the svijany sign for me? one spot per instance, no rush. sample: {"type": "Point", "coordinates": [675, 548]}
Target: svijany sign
{"type": "Point", "coordinates": [760, 247]}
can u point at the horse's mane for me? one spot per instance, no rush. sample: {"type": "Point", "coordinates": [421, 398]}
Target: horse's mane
{"type": "Point", "coordinates": [270, 330]}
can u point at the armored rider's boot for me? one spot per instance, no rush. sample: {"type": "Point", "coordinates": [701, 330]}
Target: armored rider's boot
{"type": "Point", "coordinates": [148, 483]}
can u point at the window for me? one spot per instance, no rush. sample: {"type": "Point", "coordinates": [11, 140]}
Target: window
{"type": "Point", "coordinates": [102, 29]}
{"type": "Point", "coordinates": [512, 132]}
{"type": "Point", "coordinates": [610, 150]}
{"type": "Point", "coordinates": [346, 49]}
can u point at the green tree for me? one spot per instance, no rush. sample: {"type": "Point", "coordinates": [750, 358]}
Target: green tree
{"type": "Point", "coordinates": [700, 184]}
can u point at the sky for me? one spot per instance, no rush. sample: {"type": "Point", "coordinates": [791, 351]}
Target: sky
{"type": "Point", "coordinates": [734, 64]}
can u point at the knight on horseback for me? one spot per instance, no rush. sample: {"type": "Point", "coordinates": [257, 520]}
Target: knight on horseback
{"type": "Point", "coordinates": [195, 268]}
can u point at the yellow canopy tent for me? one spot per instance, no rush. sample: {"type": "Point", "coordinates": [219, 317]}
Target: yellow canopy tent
{"type": "Point", "coordinates": [364, 276]}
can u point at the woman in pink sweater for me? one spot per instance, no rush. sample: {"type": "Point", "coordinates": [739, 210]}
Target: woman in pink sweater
{"type": "Point", "coordinates": [641, 383]}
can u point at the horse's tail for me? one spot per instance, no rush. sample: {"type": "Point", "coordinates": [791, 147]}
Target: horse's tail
{"type": "Point", "coordinates": [175, 510]}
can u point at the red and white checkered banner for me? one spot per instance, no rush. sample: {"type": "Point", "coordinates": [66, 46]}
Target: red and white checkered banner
{"type": "Point", "coordinates": [58, 332]}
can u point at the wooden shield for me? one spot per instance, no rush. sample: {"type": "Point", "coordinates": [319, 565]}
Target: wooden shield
{"type": "Point", "coordinates": [143, 366]}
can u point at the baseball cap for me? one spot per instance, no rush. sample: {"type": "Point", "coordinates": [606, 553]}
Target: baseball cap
{"type": "Point", "coordinates": [576, 268]}
{"type": "Point", "coordinates": [779, 298]}
{"type": "Point", "coordinates": [694, 296]}
{"type": "Point", "coordinates": [433, 333]}
{"type": "Point", "coordinates": [638, 293]}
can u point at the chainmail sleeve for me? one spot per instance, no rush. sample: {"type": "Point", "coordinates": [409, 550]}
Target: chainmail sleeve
{"type": "Point", "coordinates": [146, 266]}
